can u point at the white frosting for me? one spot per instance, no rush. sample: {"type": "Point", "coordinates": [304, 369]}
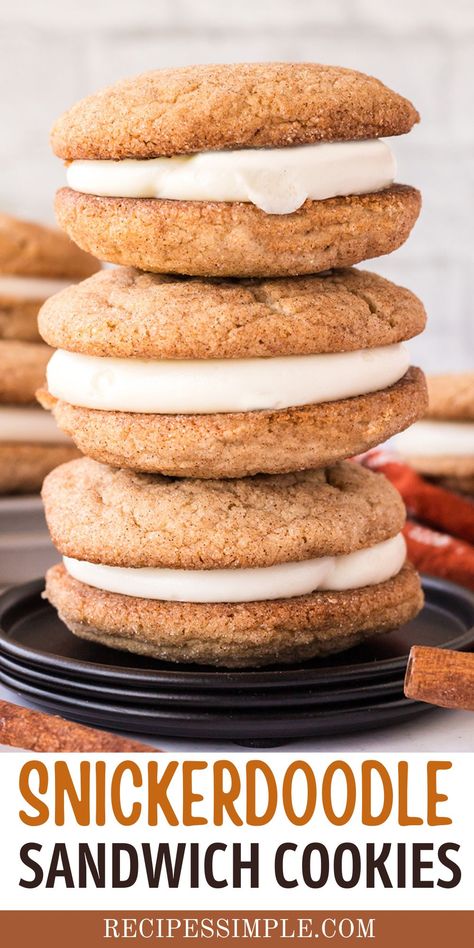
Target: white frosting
{"type": "Point", "coordinates": [277, 180]}
{"type": "Point", "coordinates": [434, 438]}
{"type": "Point", "coordinates": [363, 568]}
{"type": "Point", "coordinates": [31, 288]}
{"type": "Point", "coordinates": [29, 424]}
{"type": "Point", "coordinates": [203, 386]}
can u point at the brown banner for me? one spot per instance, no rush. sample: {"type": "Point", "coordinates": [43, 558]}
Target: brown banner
{"type": "Point", "coordinates": [91, 929]}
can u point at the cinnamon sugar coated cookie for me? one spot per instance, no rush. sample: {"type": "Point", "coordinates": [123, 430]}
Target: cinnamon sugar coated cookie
{"type": "Point", "coordinates": [129, 314]}
{"type": "Point", "coordinates": [105, 515]}
{"type": "Point", "coordinates": [251, 169]}
{"type": "Point", "coordinates": [236, 239]}
{"type": "Point", "coordinates": [245, 105]}
{"type": "Point", "coordinates": [220, 376]}
{"type": "Point", "coordinates": [179, 569]}
{"type": "Point", "coordinates": [225, 378]}
{"type": "Point", "coordinates": [246, 635]}
{"type": "Point", "coordinates": [243, 443]}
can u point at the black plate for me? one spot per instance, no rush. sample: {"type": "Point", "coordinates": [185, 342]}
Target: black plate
{"type": "Point", "coordinates": [286, 724]}
{"type": "Point", "coordinates": [32, 633]}
{"type": "Point", "coordinates": [232, 698]}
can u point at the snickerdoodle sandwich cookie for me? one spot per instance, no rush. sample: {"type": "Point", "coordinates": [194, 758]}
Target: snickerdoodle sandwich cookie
{"type": "Point", "coordinates": [246, 572]}
{"type": "Point", "coordinates": [441, 446]}
{"type": "Point", "coordinates": [254, 169]}
{"type": "Point", "coordinates": [31, 444]}
{"type": "Point", "coordinates": [200, 378]}
{"type": "Point", "coordinates": [35, 262]}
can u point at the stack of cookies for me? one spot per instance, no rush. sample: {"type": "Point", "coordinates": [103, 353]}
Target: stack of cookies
{"type": "Point", "coordinates": [220, 377]}
{"type": "Point", "coordinates": [35, 262]}
{"type": "Point", "coordinates": [441, 446]}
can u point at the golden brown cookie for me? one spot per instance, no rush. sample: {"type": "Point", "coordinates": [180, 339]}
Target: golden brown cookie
{"type": "Point", "coordinates": [451, 397]}
{"type": "Point", "coordinates": [246, 105]}
{"type": "Point", "coordinates": [19, 319]}
{"type": "Point", "coordinates": [454, 472]}
{"type": "Point", "coordinates": [461, 485]}
{"type": "Point", "coordinates": [24, 465]}
{"type": "Point", "coordinates": [443, 465]}
{"type": "Point", "coordinates": [450, 414]}
{"type": "Point", "coordinates": [30, 249]}
{"type": "Point", "coordinates": [243, 443]}
{"type": "Point", "coordinates": [33, 258]}
{"type": "Point", "coordinates": [237, 239]}
{"type": "Point", "coordinates": [237, 635]}
{"type": "Point", "coordinates": [22, 370]}
{"type": "Point", "coordinates": [128, 314]}
{"type": "Point", "coordinates": [116, 517]}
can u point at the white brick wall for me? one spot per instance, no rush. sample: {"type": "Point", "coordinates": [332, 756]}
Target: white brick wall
{"type": "Point", "coordinates": [54, 52]}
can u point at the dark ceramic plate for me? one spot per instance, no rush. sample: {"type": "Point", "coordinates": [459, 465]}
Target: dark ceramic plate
{"type": "Point", "coordinates": [253, 725]}
{"type": "Point", "coordinates": [179, 697]}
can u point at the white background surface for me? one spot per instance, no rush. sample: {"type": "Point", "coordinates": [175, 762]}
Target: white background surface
{"type": "Point", "coordinates": [54, 52]}
{"type": "Point", "coordinates": [455, 784]}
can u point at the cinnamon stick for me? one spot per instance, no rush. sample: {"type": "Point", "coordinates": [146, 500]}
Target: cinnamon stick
{"type": "Point", "coordinates": [36, 731]}
{"type": "Point", "coordinates": [441, 677]}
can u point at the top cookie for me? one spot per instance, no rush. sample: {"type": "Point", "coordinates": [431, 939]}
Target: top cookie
{"type": "Point", "coordinates": [248, 105]}
{"type": "Point", "coordinates": [30, 249]}
{"type": "Point", "coordinates": [129, 314]}
{"type": "Point", "coordinates": [451, 397]}
{"type": "Point", "coordinates": [116, 517]}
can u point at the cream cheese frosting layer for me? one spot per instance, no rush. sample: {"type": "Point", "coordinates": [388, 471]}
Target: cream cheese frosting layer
{"type": "Point", "coordinates": [29, 424]}
{"type": "Point", "coordinates": [437, 438]}
{"type": "Point", "coordinates": [31, 288]}
{"type": "Point", "coordinates": [277, 180]}
{"type": "Point", "coordinates": [367, 567]}
{"type": "Point", "coordinates": [207, 386]}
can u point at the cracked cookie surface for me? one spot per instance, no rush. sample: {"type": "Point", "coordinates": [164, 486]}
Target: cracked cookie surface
{"type": "Point", "coordinates": [129, 314]}
{"type": "Point", "coordinates": [31, 249]}
{"type": "Point", "coordinates": [120, 518]}
{"type": "Point", "coordinates": [245, 105]}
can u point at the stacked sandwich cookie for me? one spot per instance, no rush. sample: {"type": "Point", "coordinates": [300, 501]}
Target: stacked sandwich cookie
{"type": "Point", "coordinates": [257, 169]}
{"type": "Point", "coordinates": [235, 340]}
{"type": "Point", "coordinates": [236, 572]}
{"type": "Point", "coordinates": [35, 262]}
{"type": "Point", "coordinates": [194, 378]}
{"type": "Point", "coordinates": [441, 446]}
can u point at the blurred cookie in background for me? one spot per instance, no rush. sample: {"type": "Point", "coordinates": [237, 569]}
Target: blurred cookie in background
{"type": "Point", "coordinates": [441, 446]}
{"type": "Point", "coordinates": [35, 263]}
{"type": "Point", "coordinates": [31, 444]}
